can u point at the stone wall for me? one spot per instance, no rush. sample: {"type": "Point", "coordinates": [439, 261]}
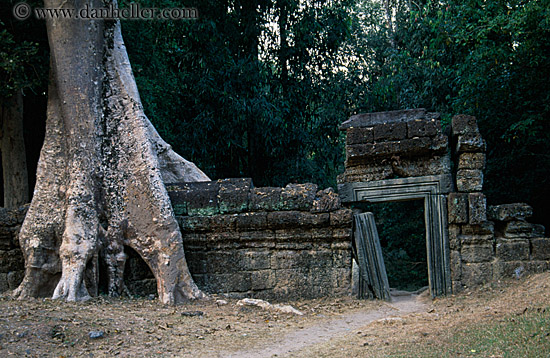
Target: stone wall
{"type": "Point", "coordinates": [11, 258]}
{"type": "Point", "coordinates": [487, 243]}
{"type": "Point", "coordinates": [272, 243]}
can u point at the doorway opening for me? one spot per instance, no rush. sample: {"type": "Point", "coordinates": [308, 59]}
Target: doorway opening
{"type": "Point", "coordinates": [402, 234]}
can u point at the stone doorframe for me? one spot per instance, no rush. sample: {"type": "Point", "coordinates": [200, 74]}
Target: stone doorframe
{"type": "Point", "coordinates": [433, 189]}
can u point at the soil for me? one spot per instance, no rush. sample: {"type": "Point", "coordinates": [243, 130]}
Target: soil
{"type": "Point", "coordinates": [330, 327]}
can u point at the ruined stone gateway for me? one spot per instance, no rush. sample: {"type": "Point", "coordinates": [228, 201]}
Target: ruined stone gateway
{"type": "Point", "coordinates": [296, 241]}
{"type": "Point", "coordinates": [405, 155]}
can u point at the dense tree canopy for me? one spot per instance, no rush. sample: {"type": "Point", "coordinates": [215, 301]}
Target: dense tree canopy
{"type": "Point", "coordinates": [260, 90]}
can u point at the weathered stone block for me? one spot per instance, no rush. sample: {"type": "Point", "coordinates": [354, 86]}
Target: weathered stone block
{"type": "Point", "coordinates": [265, 199]}
{"type": "Point", "coordinates": [298, 196]}
{"type": "Point", "coordinates": [537, 266]}
{"type": "Point", "coordinates": [283, 219]}
{"type": "Point", "coordinates": [258, 239]}
{"type": "Point", "coordinates": [509, 212]}
{"type": "Point", "coordinates": [457, 208]}
{"type": "Point", "coordinates": [418, 146]}
{"type": "Point", "coordinates": [342, 278]}
{"type": "Point", "coordinates": [456, 266]}
{"type": "Point", "coordinates": [467, 240]}
{"type": "Point", "coordinates": [483, 228]}
{"type": "Point", "coordinates": [294, 245]}
{"type": "Point", "coordinates": [477, 253]}
{"type": "Point", "coordinates": [518, 269]}
{"type": "Point", "coordinates": [359, 135]}
{"type": "Point", "coordinates": [477, 208]}
{"type": "Point", "coordinates": [470, 142]}
{"type": "Point", "coordinates": [518, 229]}
{"type": "Point", "coordinates": [540, 248]}
{"type": "Point", "coordinates": [471, 161]}
{"type": "Point", "coordinates": [293, 234]}
{"type": "Point", "coordinates": [341, 258]}
{"type": "Point", "coordinates": [11, 260]}
{"type": "Point", "coordinates": [221, 223]}
{"type": "Point", "coordinates": [316, 260]}
{"type": "Point", "coordinates": [291, 278]}
{"type": "Point", "coordinates": [421, 166]}
{"type": "Point", "coordinates": [371, 119]}
{"type": "Point", "coordinates": [256, 260]}
{"type": "Point", "coordinates": [469, 180]}
{"type": "Point", "coordinates": [310, 220]}
{"type": "Point", "coordinates": [423, 128]}
{"type": "Point", "coordinates": [194, 199]}
{"type": "Point", "coordinates": [196, 223]}
{"type": "Point", "coordinates": [512, 250]}
{"type": "Point", "coordinates": [326, 201]}
{"type": "Point", "coordinates": [322, 234]}
{"type": "Point", "coordinates": [251, 221]}
{"type": "Point", "coordinates": [6, 234]}
{"type": "Point", "coordinates": [463, 124]}
{"type": "Point", "coordinates": [509, 269]}
{"type": "Point", "coordinates": [284, 259]}
{"type": "Point", "coordinates": [233, 195]}
{"type": "Point", "coordinates": [232, 282]}
{"type": "Point", "coordinates": [135, 268]}
{"type": "Point", "coordinates": [341, 245]}
{"type": "Point", "coordinates": [458, 286]}
{"type": "Point", "coordinates": [474, 274]}
{"type": "Point", "coordinates": [390, 131]}
{"type": "Point", "coordinates": [226, 261]}
{"type": "Point", "coordinates": [454, 232]}
{"type": "Point", "coordinates": [197, 263]}
{"type": "Point", "coordinates": [341, 218]}
{"type": "Point", "coordinates": [365, 173]}
{"type": "Point", "coordinates": [262, 280]}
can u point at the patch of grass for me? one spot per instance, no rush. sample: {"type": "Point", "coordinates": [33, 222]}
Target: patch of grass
{"type": "Point", "coordinates": [525, 335]}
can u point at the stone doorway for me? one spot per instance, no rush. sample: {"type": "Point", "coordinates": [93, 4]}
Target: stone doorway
{"type": "Point", "coordinates": [432, 190]}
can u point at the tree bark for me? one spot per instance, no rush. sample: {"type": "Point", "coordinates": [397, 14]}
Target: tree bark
{"type": "Point", "coordinates": [14, 161]}
{"type": "Point", "coordinates": [101, 173]}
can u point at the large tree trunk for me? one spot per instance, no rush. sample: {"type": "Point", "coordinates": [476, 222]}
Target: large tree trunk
{"type": "Point", "coordinates": [101, 174]}
{"type": "Point", "coordinates": [14, 161]}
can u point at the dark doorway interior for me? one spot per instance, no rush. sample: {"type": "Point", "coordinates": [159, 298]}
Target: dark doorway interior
{"type": "Point", "coordinates": [402, 233]}
{"type": "Point", "coordinates": [138, 278]}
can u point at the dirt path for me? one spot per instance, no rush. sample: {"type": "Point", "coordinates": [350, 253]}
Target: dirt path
{"type": "Point", "coordinates": [300, 339]}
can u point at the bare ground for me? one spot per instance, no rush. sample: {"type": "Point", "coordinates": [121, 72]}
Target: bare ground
{"type": "Point", "coordinates": [337, 327]}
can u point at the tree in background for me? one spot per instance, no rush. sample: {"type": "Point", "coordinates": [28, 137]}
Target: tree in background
{"type": "Point", "coordinates": [255, 91]}
{"type": "Point", "coordinates": [23, 73]}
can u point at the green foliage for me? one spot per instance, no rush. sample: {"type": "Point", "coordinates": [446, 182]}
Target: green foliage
{"type": "Point", "coordinates": [14, 59]}
{"type": "Point", "coordinates": [23, 52]}
{"type": "Point", "coordinates": [489, 59]}
{"type": "Point", "coordinates": [236, 102]}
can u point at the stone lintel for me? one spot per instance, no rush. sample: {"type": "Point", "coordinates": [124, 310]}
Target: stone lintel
{"type": "Point", "coordinates": [371, 119]}
{"type": "Point", "coordinates": [396, 189]}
